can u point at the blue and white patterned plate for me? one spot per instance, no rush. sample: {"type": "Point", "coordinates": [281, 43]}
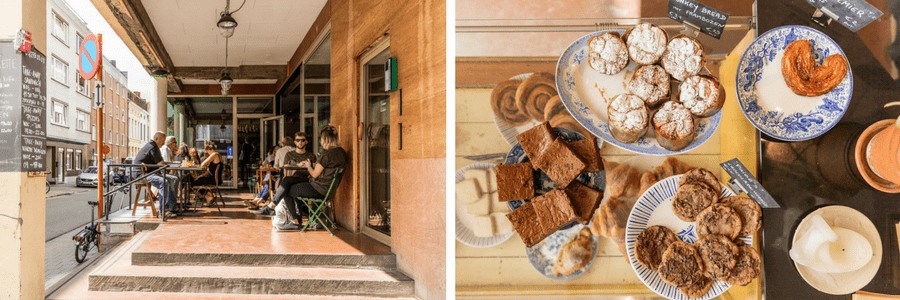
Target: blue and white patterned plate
{"type": "Point", "coordinates": [586, 94]}
{"type": "Point", "coordinates": [654, 207]}
{"type": "Point", "coordinates": [543, 255]}
{"type": "Point", "coordinates": [766, 99]}
{"type": "Point", "coordinates": [543, 183]}
{"type": "Point", "coordinates": [464, 234]}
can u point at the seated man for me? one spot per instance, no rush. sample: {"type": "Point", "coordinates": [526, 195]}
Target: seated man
{"type": "Point", "coordinates": [321, 175]}
{"type": "Point", "coordinates": [292, 177]}
{"type": "Point", "coordinates": [151, 156]}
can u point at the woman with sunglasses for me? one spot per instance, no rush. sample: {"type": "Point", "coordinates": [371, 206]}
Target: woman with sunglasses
{"type": "Point", "coordinates": [321, 175]}
{"type": "Point", "coordinates": [292, 177]}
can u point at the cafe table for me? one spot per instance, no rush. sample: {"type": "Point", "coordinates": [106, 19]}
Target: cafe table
{"type": "Point", "coordinates": [490, 51]}
{"type": "Point", "coordinates": [273, 182]}
{"type": "Point", "coordinates": [182, 171]}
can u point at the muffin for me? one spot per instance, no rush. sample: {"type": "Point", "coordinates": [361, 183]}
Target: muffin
{"type": "Point", "coordinates": [646, 43]}
{"type": "Point", "coordinates": [628, 118]}
{"type": "Point", "coordinates": [607, 53]}
{"type": "Point", "coordinates": [702, 95]}
{"type": "Point", "coordinates": [683, 57]}
{"type": "Point", "coordinates": [650, 83]}
{"type": "Point", "coordinates": [674, 126]}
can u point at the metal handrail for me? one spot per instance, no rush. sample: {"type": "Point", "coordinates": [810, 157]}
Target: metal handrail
{"type": "Point", "coordinates": [108, 194]}
{"type": "Point", "coordinates": [162, 168]}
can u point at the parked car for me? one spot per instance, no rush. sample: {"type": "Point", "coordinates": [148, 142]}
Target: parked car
{"type": "Point", "coordinates": [88, 177]}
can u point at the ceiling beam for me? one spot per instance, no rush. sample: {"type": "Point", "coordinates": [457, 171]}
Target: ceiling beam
{"type": "Point", "coordinates": [240, 72]}
{"type": "Point", "coordinates": [133, 17]}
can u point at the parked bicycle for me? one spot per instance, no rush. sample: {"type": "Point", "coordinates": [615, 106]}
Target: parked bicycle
{"type": "Point", "coordinates": [87, 238]}
{"type": "Point", "coordinates": [48, 186]}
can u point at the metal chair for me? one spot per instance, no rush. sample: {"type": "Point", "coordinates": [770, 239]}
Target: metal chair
{"type": "Point", "coordinates": [316, 206]}
{"type": "Point", "coordinates": [214, 189]}
{"type": "Point", "coordinates": [149, 198]}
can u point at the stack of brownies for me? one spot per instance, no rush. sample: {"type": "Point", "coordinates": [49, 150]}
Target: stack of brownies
{"type": "Point", "coordinates": [562, 161]}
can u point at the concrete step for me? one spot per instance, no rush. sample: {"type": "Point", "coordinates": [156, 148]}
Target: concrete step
{"type": "Point", "coordinates": [93, 295]}
{"type": "Point", "coordinates": [370, 261]}
{"type": "Point", "coordinates": [117, 274]}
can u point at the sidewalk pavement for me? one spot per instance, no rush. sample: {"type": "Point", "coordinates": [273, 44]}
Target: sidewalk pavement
{"type": "Point", "coordinates": [67, 188]}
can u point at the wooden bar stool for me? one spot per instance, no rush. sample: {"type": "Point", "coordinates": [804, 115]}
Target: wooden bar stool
{"type": "Point", "coordinates": [149, 198]}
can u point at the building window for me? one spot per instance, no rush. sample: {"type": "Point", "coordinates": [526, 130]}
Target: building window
{"type": "Point", "coordinates": [70, 156]}
{"type": "Point", "coordinates": [93, 132]}
{"type": "Point", "coordinates": [78, 40]}
{"type": "Point", "coordinates": [117, 112]}
{"type": "Point", "coordinates": [109, 136]}
{"type": "Point", "coordinates": [81, 84]}
{"type": "Point", "coordinates": [77, 159]}
{"type": "Point", "coordinates": [118, 87]}
{"type": "Point", "coordinates": [60, 29]}
{"type": "Point", "coordinates": [81, 120]}
{"type": "Point", "coordinates": [60, 69]}
{"type": "Point", "coordinates": [59, 113]}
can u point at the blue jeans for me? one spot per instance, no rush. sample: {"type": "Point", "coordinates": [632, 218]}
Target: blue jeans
{"type": "Point", "coordinates": [263, 192]}
{"type": "Point", "coordinates": [167, 194]}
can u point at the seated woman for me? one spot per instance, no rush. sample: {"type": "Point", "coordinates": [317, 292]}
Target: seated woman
{"type": "Point", "coordinates": [213, 163]}
{"type": "Point", "coordinates": [321, 174]}
{"type": "Point", "coordinates": [193, 156]}
{"type": "Point", "coordinates": [260, 198]}
{"type": "Point", "coordinates": [182, 152]}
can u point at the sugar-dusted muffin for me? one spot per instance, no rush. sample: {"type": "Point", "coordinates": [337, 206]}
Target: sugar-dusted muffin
{"type": "Point", "coordinates": [702, 95]}
{"type": "Point", "coordinates": [674, 126]}
{"type": "Point", "coordinates": [646, 43]}
{"type": "Point", "coordinates": [607, 53]}
{"type": "Point", "coordinates": [650, 83]}
{"type": "Point", "coordinates": [629, 118]}
{"type": "Point", "coordinates": [683, 57]}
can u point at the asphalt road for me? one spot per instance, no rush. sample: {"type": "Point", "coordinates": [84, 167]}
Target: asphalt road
{"type": "Point", "coordinates": [68, 212]}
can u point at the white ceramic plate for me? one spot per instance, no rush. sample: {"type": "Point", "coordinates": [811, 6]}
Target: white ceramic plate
{"type": "Point", "coordinates": [654, 207]}
{"type": "Point", "coordinates": [843, 283]}
{"type": "Point", "coordinates": [766, 99]}
{"type": "Point", "coordinates": [543, 255]}
{"type": "Point", "coordinates": [464, 220]}
{"type": "Point", "coordinates": [586, 94]}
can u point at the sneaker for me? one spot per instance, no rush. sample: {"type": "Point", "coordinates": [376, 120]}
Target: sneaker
{"type": "Point", "coordinates": [316, 226]}
{"type": "Point", "coordinates": [265, 211]}
{"type": "Point", "coordinates": [171, 214]}
{"type": "Point", "coordinates": [289, 226]}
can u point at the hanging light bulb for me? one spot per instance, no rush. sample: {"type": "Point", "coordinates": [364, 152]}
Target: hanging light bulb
{"type": "Point", "coordinates": [226, 24]}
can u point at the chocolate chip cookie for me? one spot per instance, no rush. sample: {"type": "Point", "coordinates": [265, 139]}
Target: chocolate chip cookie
{"type": "Point", "coordinates": [681, 265]}
{"type": "Point", "coordinates": [698, 288]}
{"type": "Point", "coordinates": [719, 219]}
{"type": "Point", "coordinates": [749, 210]}
{"type": "Point", "coordinates": [704, 176]}
{"type": "Point", "coordinates": [719, 255]}
{"type": "Point", "coordinates": [651, 244]}
{"type": "Point", "coordinates": [691, 199]}
{"type": "Point", "coordinates": [747, 267]}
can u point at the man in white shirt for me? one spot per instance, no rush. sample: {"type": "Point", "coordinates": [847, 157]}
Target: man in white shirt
{"type": "Point", "coordinates": [287, 146]}
{"type": "Point", "coordinates": [168, 149]}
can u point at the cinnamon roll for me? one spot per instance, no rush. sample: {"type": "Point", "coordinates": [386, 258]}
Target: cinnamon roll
{"type": "Point", "coordinates": [503, 102]}
{"type": "Point", "coordinates": [534, 93]}
{"type": "Point", "coordinates": [683, 57]}
{"type": "Point", "coordinates": [646, 43]}
{"type": "Point", "coordinates": [798, 66]}
{"type": "Point", "coordinates": [554, 107]}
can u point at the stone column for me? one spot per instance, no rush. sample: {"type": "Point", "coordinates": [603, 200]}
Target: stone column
{"type": "Point", "coordinates": [23, 205]}
{"type": "Point", "coordinates": [180, 133]}
{"type": "Point", "coordinates": [158, 107]}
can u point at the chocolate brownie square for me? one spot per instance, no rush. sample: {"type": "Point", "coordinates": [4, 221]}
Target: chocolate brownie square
{"type": "Point", "coordinates": [515, 182]}
{"type": "Point", "coordinates": [588, 151]}
{"type": "Point", "coordinates": [554, 210]}
{"type": "Point", "coordinates": [561, 164]}
{"type": "Point", "coordinates": [585, 201]}
{"type": "Point", "coordinates": [535, 140]}
{"type": "Point", "coordinates": [524, 220]}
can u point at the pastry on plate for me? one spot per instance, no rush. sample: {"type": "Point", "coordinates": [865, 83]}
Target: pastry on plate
{"type": "Point", "coordinates": [534, 93]}
{"type": "Point", "coordinates": [748, 266]}
{"type": "Point", "coordinates": [515, 182]}
{"type": "Point", "coordinates": [610, 221]}
{"type": "Point", "coordinates": [587, 149]}
{"type": "Point", "coordinates": [554, 210]}
{"type": "Point", "coordinates": [719, 219]}
{"type": "Point", "coordinates": [650, 83]}
{"type": "Point", "coordinates": [670, 167]}
{"type": "Point", "coordinates": [749, 210]}
{"type": "Point", "coordinates": [503, 102]}
{"type": "Point", "coordinates": [575, 254]}
{"type": "Point", "coordinates": [681, 264]}
{"type": "Point", "coordinates": [703, 176]}
{"type": "Point", "coordinates": [698, 288]}
{"type": "Point", "coordinates": [702, 95]}
{"type": "Point", "coordinates": [523, 220]}
{"type": "Point", "coordinates": [622, 181]}
{"type": "Point", "coordinates": [719, 255]}
{"type": "Point", "coordinates": [535, 140]}
{"type": "Point", "coordinates": [651, 244]}
{"type": "Point", "coordinates": [674, 126]}
{"type": "Point", "coordinates": [585, 201]}
{"type": "Point", "coordinates": [803, 77]}
{"type": "Point", "coordinates": [607, 53]}
{"type": "Point", "coordinates": [646, 43]}
{"type": "Point", "coordinates": [683, 57]}
{"type": "Point", "coordinates": [691, 199]}
{"type": "Point", "coordinates": [568, 122]}
{"type": "Point", "coordinates": [629, 118]}
{"type": "Point", "coordinates": [560, 163]}
{"type": "Point", "coordinates": [554, 107]}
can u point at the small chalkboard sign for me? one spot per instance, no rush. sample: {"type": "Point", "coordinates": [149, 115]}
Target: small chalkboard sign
{"type": "Point", "coordinates": [742, 180]}
{"type": "Point", "coordinates": [708, 20]}
{"type": "Point", "coordinates": [23, 100]}
{"type": "Point", "coordinates": [853, 14]}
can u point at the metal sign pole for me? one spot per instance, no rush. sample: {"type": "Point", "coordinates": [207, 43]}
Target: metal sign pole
{"type": "Point", "coordinates": [100, 154]}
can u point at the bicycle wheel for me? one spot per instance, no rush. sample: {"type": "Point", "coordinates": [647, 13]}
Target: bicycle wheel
{"type": "Point", "coordinates": [81, 251]}
{"type": "Point", "coordinates": [48, 187]}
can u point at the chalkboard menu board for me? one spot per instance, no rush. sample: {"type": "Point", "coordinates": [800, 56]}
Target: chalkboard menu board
{"type": "Point", "coordinates": [853, 14]}
{"type": "Point", "coordinates": [23, 113]}
{"type": "Point", "coordinates": [708, 20]}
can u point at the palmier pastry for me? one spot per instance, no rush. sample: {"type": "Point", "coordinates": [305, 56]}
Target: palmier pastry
{"type": "Point", "coordinates": [747, 267]}
{"type": "Point", "coordinates": [607, 53]}
{"type": "Point", "coordinates": [681, 264]}
{"type": "Point", "coordinates": [534, 93]}
{"type": "Point", "coordinates": [575, 254]}
{"type": "Point", "coordinates": [719, 255]}
{"type": "Point", "coordinates": [703, 176]}
{"type": "Point", "coordinates": [702, 95]}
{"type": "Point", "coordinates": [646, 43]}
{"type": "Point", "coordinates": [719, 219]}
{"type": "Point", "coordinates": [798, 66]}
{"type": "Point", "coordinates": [651, 244]}
{"type": "Point", "coordinates": [683, 57]}
{"type": "Point", "coordinates": [750, 213]}
{"type": "Point", "coordinates": [628, 118]}
{"type": "Point", "coordinates": [691, 199]}
{"type": "Point", "coordinates": [698, 288]}
{"type": "Point", "coordinates": [554, 107]}
{"type": "Point", "coordinates": [503, 102]}
{"type": "Point", "coordinates": [674, 126]}
{"type": "Point", "coordinates": [650, 83]}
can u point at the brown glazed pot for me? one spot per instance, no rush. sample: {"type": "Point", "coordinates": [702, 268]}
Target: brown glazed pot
{"type": "Point", "coordinates": [877, 151]}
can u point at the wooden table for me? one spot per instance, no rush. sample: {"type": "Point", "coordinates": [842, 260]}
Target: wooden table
{"type": "Point", "coordinates": [504, 271]}
{"type": "Point", "coordinates": [181, 172]}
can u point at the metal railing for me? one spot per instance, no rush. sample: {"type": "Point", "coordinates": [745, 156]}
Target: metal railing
{"type": "Point", "coordinates": [107, 196]}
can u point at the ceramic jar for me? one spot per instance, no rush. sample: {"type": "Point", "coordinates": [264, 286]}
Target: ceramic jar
{"type": "Point", "coordinates": [878, 156]}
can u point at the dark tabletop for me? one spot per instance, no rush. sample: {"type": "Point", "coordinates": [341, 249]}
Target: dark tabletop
{"type": "Point", "coordinates": [803, 176]}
